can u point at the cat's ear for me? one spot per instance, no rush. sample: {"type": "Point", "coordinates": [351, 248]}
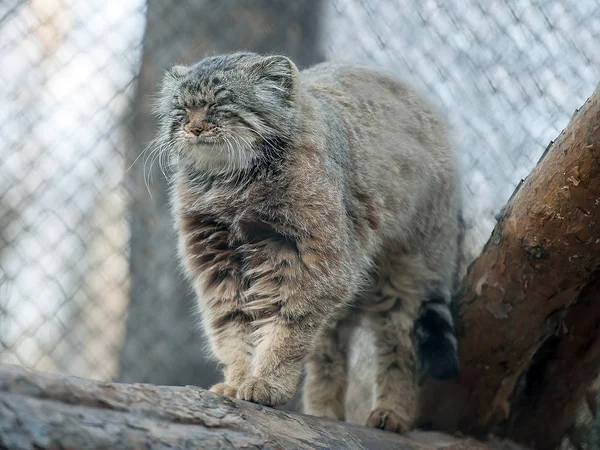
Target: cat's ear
{"type": "Point", "coordinates": [169, 85]}
{"type": "Point", "coordinates": [171, 78]}
{"type": "Point", "coordinates": [280, 70]}
{"type": "Point", "coordinates": [178, 71]}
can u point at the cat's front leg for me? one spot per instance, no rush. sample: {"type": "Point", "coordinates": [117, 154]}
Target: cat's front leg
{"type": "Point", "coordinates": [229, 334]}
{"type": "Point", "coordinates": [230, 344]}
{"type": "Point", "coordinates": [298, 282]}
{"type": "Point", "coordinates": [291, 318]}
{"type": "Point", "coordinates": [278, 358]}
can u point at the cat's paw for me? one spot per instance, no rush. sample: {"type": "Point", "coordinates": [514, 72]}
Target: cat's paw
{"type": "Point", "coordinates": [260, 391]}
{"type": "Point", "coordinates": [388, 420]}
{"type": "Point", "coordinates": [224, 389]}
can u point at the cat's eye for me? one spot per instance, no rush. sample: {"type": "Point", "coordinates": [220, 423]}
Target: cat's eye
{"type": "Point", "coordinates": [225, 99]}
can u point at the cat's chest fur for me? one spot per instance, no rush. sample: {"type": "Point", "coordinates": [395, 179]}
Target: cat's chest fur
{"type": "Point", "coordinates": [230, 230]}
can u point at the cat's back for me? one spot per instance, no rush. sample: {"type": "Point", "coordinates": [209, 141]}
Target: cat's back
{"type": "Point", "coordinates": [377, 104]}
{"type": "Point", "coordinates": [398, 143]}
{"type": "Point", "coordinates": [354, 79]}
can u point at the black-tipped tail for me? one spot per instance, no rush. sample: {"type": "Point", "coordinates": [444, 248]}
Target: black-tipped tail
{"type": "Point", "coordinates": [436, 339]}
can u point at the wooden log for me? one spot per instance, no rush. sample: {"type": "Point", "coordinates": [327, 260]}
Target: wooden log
{"type": "Point", "coordinates": [41, 411]}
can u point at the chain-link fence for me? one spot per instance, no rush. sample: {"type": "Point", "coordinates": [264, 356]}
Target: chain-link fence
{"type": "Point", "coordinates": [89, 282]}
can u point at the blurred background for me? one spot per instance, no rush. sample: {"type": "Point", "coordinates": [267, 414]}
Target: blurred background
{"type": "Point", "coordinates": [89, 280]}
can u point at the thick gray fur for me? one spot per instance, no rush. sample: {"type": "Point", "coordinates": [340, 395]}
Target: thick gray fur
{"type": "Point", "coordinates": [308, 203]}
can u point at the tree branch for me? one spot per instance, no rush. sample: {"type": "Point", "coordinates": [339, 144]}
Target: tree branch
{"type": "Point", "coordinates": [526, 320]}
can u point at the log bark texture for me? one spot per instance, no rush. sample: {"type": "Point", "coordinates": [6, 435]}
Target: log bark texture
{"type": "Point", "coordinates": [40, 411]}
{"type": "Point", "coordinates": [528, 317]}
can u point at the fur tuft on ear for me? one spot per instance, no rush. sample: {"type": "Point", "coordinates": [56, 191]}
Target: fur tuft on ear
{"type": "Point", "coordinates": [280, 70]}
{"type": "Point", "coordinates": [168, 87]}
{"type": "Point", "coordinates": [178, 71]}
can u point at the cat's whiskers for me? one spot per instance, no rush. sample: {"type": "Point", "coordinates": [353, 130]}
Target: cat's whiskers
{"type": "Point", "coordinates": [147, 173]}
{"type": "Point", "coordinates": [240, 149]}
{"type": "Point", "coordinates": [270, 146]}
{"type": "Point", "coordinates": [164, 163]}
{"type": "Point", "coordinates": [230, 152]}
{"type": "Point", "coordinates": [158, 153]}
{"type": "Point", "coordinates": [148, 147]}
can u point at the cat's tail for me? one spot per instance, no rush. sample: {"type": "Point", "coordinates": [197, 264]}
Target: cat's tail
{"type": "Point", "coordinates": [436, 339]}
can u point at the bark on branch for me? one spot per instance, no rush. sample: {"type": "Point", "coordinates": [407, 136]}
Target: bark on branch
{"type": "Point", "coordinates": [43, 411]}
{"type": "Point", "coordinates": [529, 312]}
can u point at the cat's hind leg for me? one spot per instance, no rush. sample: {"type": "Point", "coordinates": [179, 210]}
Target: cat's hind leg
{"type": "Point", "coordinates": [326, 381]}
{"type": "Point", "coordinates": [396, 387]}
{"type": "Point", "coordinates": [413, 332]}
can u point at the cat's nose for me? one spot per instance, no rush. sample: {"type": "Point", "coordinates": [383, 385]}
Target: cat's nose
{"type": "Point", "coordinates": [195, 130]}
{"type": "Point", "coordinates": [197, 122]}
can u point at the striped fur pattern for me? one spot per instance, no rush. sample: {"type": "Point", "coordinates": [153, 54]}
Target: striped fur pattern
{"type": "Point", "coordinates": [307, 204]}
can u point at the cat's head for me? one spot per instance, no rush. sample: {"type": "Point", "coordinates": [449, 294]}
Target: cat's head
{"type": "Point", "coordinates": [226, 112]}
